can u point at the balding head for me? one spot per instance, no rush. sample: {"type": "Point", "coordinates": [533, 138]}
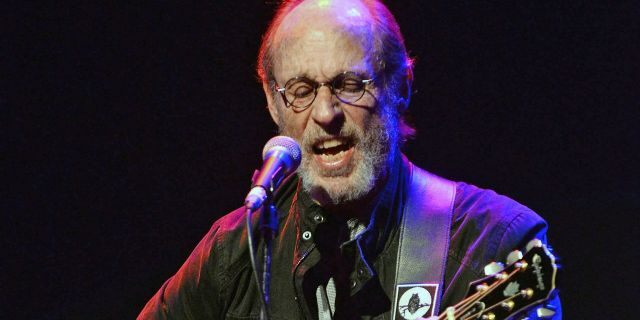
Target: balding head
{"type": "Point", "coordinates": [325, 14]}
{"type": "Point", "coordinates": [346, 23]}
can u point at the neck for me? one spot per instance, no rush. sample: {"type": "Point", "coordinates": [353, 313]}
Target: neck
{"type": "Point", "coordinates": [360, 209]}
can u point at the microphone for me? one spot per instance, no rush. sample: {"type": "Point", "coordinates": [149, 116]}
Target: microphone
{"type": "Point", "coordinates": [281, 156]}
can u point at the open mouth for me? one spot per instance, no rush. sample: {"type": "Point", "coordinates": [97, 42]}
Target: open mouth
{"type": "Point", "coordinates": [333, 155]}
{"type": "Point", "coordinates": [332, 147]}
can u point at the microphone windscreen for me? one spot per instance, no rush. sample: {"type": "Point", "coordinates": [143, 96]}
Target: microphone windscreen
{"type": "Point", "coordinates": [284, 142]}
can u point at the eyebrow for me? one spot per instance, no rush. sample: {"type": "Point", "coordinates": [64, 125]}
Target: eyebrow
{"type": "Point", "coordinates": [356, 71]}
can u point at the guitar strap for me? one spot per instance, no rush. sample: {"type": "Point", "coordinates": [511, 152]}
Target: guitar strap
{"type": "Point", "coordinates": [423, 245]}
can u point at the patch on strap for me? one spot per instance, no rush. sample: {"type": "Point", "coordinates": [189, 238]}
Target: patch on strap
{"type": "Point", "coordinates": [414, 301]}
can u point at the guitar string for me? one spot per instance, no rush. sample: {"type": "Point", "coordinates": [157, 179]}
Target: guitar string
{"type": "Point", "coordinates": [464, 305]}
{"type": "Point", "coordinates": [477, 314]}
{"type": "Point", "coordinates": [461, 304]}
{"type": "Point", "coordinates": [488, 291]}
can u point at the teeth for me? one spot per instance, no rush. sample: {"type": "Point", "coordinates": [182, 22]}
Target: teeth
{"type": "Point", "coordinates": [332, 157]}
{"type": "Point", "coordinates": [329, 143]}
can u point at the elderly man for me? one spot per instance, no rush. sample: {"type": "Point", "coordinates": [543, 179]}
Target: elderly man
{"type": "Point", "coordinates": [357, 217]}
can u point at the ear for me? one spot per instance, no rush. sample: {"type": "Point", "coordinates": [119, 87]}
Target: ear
{"type": "Point", "coordinates": [405, 90]}
{"type": "Point", "coordinates": [271, 102]}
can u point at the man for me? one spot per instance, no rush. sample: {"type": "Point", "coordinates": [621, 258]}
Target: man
{"type": "Point", "coordinates": [337, 79]}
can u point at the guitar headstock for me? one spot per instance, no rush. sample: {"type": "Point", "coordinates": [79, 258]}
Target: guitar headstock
{"type": "Point", "coordinates": [528, 281]}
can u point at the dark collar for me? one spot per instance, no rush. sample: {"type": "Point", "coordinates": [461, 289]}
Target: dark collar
{"type": "Point", "coordinates": [384, 216]}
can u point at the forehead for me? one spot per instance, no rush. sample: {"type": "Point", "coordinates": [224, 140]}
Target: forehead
{"type": "Point", "coordinates": [319, 39]}
{"type": "Point", "coordinates": [320, 55]}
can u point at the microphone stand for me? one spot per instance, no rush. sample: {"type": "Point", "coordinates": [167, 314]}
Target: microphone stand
{"type": "Point", "coordinates": [268, 228]}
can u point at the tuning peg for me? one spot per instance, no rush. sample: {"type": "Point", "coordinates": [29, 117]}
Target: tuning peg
{"type": "Point", "coordinates": [534, 243]}
{"type": "Point", "coordinates": [514, 256]}
{"type": "Point", "coordinates": [482, 287]}
{"type": "Point", "coordinates": [451, 313]}
{"type": "Point", "coordinates": [527, 293]}
{"type": "Point", "coordinates": [508, 305]}
{"type": "Point", "coordinates": [493, 268]}
{"type": "Point", "coordinates": [545, 313]}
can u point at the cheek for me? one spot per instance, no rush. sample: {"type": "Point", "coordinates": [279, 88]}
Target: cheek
{"type": "Point", "coordinates": [293, 124]}
{"type": "Point", "coordinates": [362, 115]}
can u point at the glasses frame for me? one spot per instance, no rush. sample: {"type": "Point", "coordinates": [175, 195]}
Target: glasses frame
{"type": "Point", "coordinates": [316, 85]}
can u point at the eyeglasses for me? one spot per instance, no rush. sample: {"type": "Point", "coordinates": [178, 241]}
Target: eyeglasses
{"type": "Point", "coordinates": [300, 92]}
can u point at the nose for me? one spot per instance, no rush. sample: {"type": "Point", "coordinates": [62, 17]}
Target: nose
{"type": "Point", "coordinates": [326, 110]}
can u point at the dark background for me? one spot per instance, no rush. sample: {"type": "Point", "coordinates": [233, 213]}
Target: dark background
{"type": "Point", "coordinates": [130, 128]}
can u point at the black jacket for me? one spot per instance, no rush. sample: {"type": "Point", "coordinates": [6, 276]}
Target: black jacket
{"type": "Point", "coordinates": [216, 280]}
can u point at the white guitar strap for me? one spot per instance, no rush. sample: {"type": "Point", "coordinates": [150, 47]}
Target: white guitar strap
{"type": "Point", "coordinates": [423, 245]}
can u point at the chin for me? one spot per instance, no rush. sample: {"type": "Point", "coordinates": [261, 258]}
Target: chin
{"type": "Point", "coordinates": [339, 189]}
{"type": "Point", "coordinates": [336, 191]}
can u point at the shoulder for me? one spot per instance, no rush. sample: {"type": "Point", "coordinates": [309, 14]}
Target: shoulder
{"type": "Point", "coordinates": [226, 239]}
{"type": "Point", "coordinates": [230, 226]}
{"type": "Point", "coordinates": [497, 223]}
{"type": "Point", "coordinates": [487, 227]}
{"type": "Point", "coordinates": [204, 274]}
{"type": "Point", "coordinates": [489, 210]}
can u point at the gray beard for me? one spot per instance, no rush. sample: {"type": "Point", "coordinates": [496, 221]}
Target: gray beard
{"type": "Point", "coordinates": [375, 148]}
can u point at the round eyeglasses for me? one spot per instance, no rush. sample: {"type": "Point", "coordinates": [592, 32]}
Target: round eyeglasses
{"type": "Point", "coordinates": [300, 92]}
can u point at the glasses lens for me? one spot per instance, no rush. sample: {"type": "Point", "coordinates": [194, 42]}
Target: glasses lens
{"type": "Point", "coordinates": [300, 92]}
{"type": "Point", "coordinates": [349, 87]}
